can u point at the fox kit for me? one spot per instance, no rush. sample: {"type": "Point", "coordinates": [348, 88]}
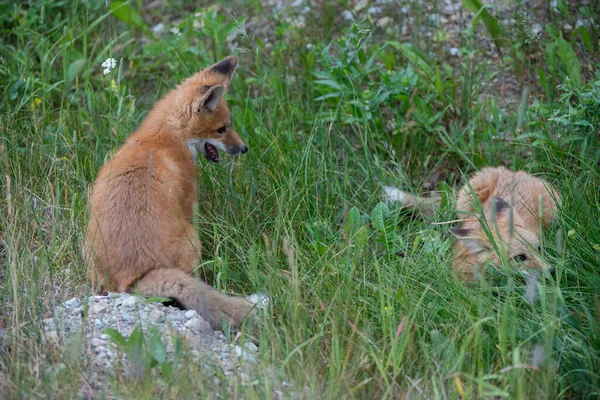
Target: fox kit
{"type": "Point", "coordinates": [140, 234]}
{"type": "Point", "coordinates": [510, 202]}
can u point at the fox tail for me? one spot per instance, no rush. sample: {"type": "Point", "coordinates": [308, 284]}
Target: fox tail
{"type": "Point", "coordinates": [425, 205]}
{"type": "Point", "coordinates": [212, 305]}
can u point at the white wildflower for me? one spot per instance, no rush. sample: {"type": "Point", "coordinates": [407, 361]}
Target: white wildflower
{"type": "Point", "coordinates": [108, 65]}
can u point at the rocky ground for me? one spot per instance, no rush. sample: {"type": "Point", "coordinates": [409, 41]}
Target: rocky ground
{"type": "Point", "coordinates": [81, 326]}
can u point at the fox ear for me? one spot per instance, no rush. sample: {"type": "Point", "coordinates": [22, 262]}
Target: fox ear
{"type": "Point", "coordinates": [225, 67]}
{"type": "Point", "coordinates": [473, 243]}
{"type": "Point", "coordinates": [211, 98]}
{"type": "Point", "coordinates": [501, 205]}
{"type": "Point", "coordinates": [505, 210]}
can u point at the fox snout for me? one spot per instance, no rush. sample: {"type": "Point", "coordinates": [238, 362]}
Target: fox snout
{"type": "Point", "coordinates": [237, 149]}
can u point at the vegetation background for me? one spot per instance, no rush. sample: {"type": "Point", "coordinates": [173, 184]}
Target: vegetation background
{"type": "Point", "coordinates": [334, 99]}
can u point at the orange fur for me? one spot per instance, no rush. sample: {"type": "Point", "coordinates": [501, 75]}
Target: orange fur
{"type": "Point", "coordinates": [509, 203]}
{"type": "Point", "coordinates": [140, 234]}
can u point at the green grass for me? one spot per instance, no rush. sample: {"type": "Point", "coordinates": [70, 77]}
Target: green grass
{"type": "Point", "coordinates": [363, 302]}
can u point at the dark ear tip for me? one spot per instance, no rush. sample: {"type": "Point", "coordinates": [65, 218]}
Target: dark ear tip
{"type": "Point", "coordinates": [501, 204]}
{"type": "Point", "coordinates": [226, 65]}
{"type": "Point", "coordinates": [460, 232]}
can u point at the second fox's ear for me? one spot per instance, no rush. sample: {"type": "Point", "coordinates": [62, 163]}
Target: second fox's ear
{"type": "Point", "coordinates": [211, 97]}
{"type": "Point", "coordinates": [225, 67]}
{"type": "Point", "coordinates": [472, 242]}
{"type": "Point", "coordinates": [502, 206]}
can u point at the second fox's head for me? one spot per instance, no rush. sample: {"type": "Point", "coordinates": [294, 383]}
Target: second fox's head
{"type": "Point", "coordinates": [508, 235]}
{"type": "Point", "coordinates": [201, 115]}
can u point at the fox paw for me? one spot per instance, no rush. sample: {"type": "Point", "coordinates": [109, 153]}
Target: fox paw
{"type": "Point", "coordinates": [393, 194]}
{"type": "Point", "coordinates": [259, 300]}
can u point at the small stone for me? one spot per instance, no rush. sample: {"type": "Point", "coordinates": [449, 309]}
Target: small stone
{"type": "Point", "coordinates": [251, 347]}
{"type": "Point", "coordinates": [189, 314]}
{"type": "Point", "coordinates": [198, 325]}
{"type": "Point", "coordinates": [129, 301]}
{"type": "Point", "coordinates": [347, 15]}
{"type": "Point", "coordinates": [104, 336]}
{"type": "Point", "coordinates": [567, 27]}
{"type": "Point", "coordinates": [97, 308]}
{"type": "Point", "coordinates": [98, 342]}
{"type": "Point", "coordinates": [74, 302]}
{"type": "Point", "coordinates": [125, 316]}
{"type": "Point", "coordinates": [383, 22]}
{"type": "Point", "coordinates": [156, 316]}
{"type": "Point", "coordinates": [453, 51]}
{"type": "Point", "coordinates": [238, 351]}
{"type": "Point", "coordinates": [52, 336]}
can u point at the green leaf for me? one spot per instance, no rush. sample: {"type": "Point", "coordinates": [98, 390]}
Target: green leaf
{"type": "Point", "coordinates": [523, 107]}
{"type": "Point", "coordinates": [330, 83]}
{"type": "Point", "coordinates": [157, 348]}
{"type": "Point", "coordinates": [74, 69]}
{"type": "Point", "coordinates": [123, 11]}
{"type": "Point", "coordinates": [551, 59]}
{"type": "Point", "coordinates": [135, 341]}
{"type": "Point", "coordinates": [569, 58]}
{"type": "Point", "coordinates": [156, 299]}
{"type": "Point", "coordinates": [543, 81]}
{"type": "Point", "coordinates": [361, 236]}
{"type": "Point", "coordinates": [489, 21]}
{"type": "Point", "coordinates": [379, 215]}
{"type": "Point", "coordinates": [353, 222]}
{"type": "Point", "coordinates": [416, 57]}
{"type": "Point", "coordinates": [116, 336]}
{"type": "Point", "coordinates": [585, 36]}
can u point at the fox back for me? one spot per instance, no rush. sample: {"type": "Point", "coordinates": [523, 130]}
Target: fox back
{"type": "Point", "coordinates": [140, 232]}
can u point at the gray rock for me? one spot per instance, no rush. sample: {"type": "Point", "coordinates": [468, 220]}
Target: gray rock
{"type": "Point", "coordinates": [251, 347]}
{"type": "Point", "coordinates": [156, 316]}
{"type": "Point", "coordinates": [129, 301]}
{"type": "Point", "coordinates": [74, 302]}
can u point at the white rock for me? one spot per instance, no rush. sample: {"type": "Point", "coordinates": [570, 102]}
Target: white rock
{"type": "Point", "coordinates": [251, 347]}
{"type": "Point", "coordinates": [129, 301]}
{"type": "Point", "coordinates": [98, 342]}
{"type": "Point", "coordinates": [156, 316]}
{"type": "Point", "coordinates": [383, 22]}
{"type": "Point", "coordinates": [97, 308]}
{"type": "Point", "coordinates": [347, 15]}
{"type": "Point", "coordinates": [198, 325]}
{"type": "Point", "coordinates": [238, 351]}
{"type": "Point", "coordinates": [190, 314]}
{"type": "Point", "coordinates": [74, 302]}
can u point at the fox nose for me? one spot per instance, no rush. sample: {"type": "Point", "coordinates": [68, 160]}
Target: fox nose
{"type": "Point", "coordinates": [244, 149]}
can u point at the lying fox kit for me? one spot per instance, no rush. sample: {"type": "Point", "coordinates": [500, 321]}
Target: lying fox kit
{"type": "Point", "coordinates": [510, 204]}
{"type": "Point", "coordinates": [140, 234]}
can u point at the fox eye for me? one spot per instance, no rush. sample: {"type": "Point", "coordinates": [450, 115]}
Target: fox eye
{"type": "Point", "coordinates": [222, 129]}
{"type": "Point", "coordinates": [520, 258]}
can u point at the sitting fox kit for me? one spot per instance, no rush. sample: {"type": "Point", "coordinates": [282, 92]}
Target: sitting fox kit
{"type": "Point", "coordinates": [510, 203]}
{"type": "Point", "coordinates": [140, 232]}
